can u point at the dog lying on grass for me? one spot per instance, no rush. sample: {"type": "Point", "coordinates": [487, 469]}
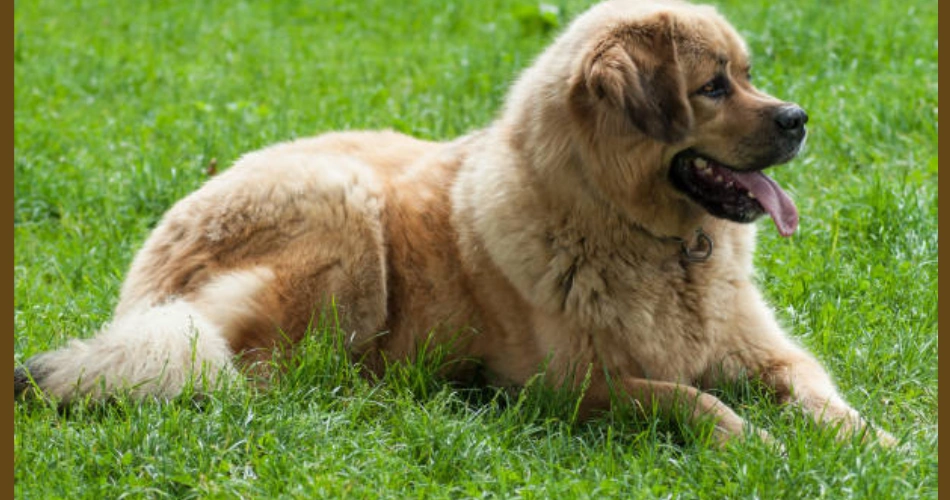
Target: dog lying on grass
{"type": "Point", "coordinates": [598, 228]}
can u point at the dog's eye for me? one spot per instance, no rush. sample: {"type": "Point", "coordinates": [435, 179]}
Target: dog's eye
{"type": "Point", "coordinates": [715, 88]}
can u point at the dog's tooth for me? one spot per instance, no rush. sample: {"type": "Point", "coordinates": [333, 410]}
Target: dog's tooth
{"type": "Point", "coordinates": [718, 178]}
{"type": "Point", "coordinates": [751, 195]}
{"type": "Point", "coordinates": [701, 163]}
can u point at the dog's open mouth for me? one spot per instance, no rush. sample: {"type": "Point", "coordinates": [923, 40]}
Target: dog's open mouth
{"type": "Point", "coordinates": [740, 196]}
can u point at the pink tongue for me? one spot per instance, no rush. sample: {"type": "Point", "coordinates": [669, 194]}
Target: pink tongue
{"type": "Point", "coordinates": [770, 195]}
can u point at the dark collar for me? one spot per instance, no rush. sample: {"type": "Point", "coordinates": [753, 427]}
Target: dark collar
{"type": "Point", "coordinates": [697, 249]}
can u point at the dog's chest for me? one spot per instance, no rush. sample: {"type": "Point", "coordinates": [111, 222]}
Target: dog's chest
{"type": "Point", "coordinates": [654, 320]}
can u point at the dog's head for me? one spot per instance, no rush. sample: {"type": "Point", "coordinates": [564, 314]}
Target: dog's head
{"type": "Point", "coordinates": [674, 80]}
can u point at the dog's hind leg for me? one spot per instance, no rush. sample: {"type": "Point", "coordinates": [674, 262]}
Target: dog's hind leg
{"type": "Point", "coordinates": [235, 268]}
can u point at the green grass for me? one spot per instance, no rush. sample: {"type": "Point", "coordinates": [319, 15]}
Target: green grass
{"type": "Point", "coordinates": [119, 108]}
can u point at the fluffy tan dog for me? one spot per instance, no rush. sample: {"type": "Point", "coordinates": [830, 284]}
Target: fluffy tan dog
{"type": "Point", "coordinates": [598, 228]}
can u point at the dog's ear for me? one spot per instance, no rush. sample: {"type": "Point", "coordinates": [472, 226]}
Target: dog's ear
{"type": "Point", "coordinates": [637, 70]}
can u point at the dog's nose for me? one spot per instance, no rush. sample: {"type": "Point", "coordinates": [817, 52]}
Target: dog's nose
{"type": "Point", "coordinates": [791, 117]}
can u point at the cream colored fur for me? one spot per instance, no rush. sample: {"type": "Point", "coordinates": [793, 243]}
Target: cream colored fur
{"type": "Point", "coordinates": [155, 351]}
{"type": "Point", "coordinates": [545, 239]}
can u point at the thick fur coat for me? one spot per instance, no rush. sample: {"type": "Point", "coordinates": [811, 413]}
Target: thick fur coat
{"type": "Point", "coordinates": [598, 229]}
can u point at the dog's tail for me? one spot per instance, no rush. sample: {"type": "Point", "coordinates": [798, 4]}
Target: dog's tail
{"type": "Point", "coordinates": [154, 351]}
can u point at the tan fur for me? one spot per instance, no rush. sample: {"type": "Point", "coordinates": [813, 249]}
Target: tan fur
{"type": "Point", "coordinates": [544, 240]}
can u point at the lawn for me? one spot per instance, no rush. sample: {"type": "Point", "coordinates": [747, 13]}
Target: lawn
{"type": "Point", "coordinates": [120, 108]}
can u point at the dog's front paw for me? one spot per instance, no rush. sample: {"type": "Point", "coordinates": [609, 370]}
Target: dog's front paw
{"type": "Point", "coordinates": [724, 437]}
{"type": "Point", "coordinates": [883, 437]}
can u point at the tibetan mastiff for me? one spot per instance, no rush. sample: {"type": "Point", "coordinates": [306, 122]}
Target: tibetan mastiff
{"type": "Point", "coordinates": [597, 231]}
